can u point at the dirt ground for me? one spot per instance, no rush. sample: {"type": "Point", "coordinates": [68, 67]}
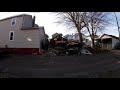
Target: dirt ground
{"type": "Point", "coordinates": [102, 65]}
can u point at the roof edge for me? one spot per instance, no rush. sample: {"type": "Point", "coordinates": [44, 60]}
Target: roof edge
{"type": "Point", "coordinates": [15, 16]}
{"type": "Point", "coordinates": [109, 35]}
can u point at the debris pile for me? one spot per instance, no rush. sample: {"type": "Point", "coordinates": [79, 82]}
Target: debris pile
{"type": "Point", "coordinates": [61, 46]}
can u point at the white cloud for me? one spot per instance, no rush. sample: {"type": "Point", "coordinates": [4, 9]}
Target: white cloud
{"type": "Point", "coordinates": [45, 19]}
{"type": "Point", "coordinates": [48, 20]}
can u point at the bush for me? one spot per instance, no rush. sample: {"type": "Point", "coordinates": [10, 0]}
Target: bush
{"type": "Point", "coordinates": [117, 45]}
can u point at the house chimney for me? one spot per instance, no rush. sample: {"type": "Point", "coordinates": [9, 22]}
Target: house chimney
{"type": "Point", "coordinates": [33, 22]}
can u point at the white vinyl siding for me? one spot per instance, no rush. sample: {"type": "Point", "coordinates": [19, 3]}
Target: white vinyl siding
{"type": "Point", "coordinates": [114, 41]}
{"type": "Point", "coordinates": [21, 38]}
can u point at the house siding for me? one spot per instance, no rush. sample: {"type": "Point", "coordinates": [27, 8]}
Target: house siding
{"type": "Point", "coordinates": [21, 39]}
{"type": "Point", "coordinates": [5, 28]}
{"type": "Point", "coordinates": [114, 41]}
{"type": "Point", "coordinates": [20, 36]}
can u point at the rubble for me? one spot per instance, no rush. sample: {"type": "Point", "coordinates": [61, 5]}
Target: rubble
{"type": "Point", "coordinates": [61, 46]}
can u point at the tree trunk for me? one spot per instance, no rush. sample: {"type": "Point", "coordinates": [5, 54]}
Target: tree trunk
{"type": "Point", "coordinates": [81, 39]}
{"type": "Point", "coordinates": [93, 43]}
{"type": "Point", "coordinates": [80, 34]}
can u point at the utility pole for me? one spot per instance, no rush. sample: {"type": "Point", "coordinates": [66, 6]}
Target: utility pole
{"type": "Point", "coordinates": [117, 24]}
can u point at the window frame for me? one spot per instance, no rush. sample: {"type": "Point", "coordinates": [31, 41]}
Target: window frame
{"type": "Point", "coordinates": [13, 19]}
{"type": "Point", "coordinates": [11, 36]}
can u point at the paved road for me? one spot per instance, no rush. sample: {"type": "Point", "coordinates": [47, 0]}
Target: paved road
{"type": "Point", "coordinates": [47, 66]}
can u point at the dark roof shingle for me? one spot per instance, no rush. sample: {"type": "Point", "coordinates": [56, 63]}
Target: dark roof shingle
{"type": "Point", "coordinates": [110, 36]}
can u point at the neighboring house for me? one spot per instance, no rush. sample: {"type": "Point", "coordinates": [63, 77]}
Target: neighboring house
{"type": "Point", "coordinates": [89, 43]}
{"type": "Point", "coordinates": [68, 37]}
{"type": "Point", "coordinates": [56, 35]}
{"type": "Point", "coordinates": [20, 34]}
{"type": "Point", "coordinates": [75, 37]}
{"type": "Point", "coordinates": [107, 41]}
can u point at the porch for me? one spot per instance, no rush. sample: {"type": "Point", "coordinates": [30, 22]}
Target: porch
{"type": "Point", "coordinates": [105, 43]}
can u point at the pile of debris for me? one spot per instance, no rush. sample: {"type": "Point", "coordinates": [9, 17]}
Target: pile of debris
{"type": "Point", "coordinates": [61, 46]}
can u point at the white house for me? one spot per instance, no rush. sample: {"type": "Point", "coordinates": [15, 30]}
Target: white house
{"type": "Point", "coordinates": [20, 34]}
{"type": "Point", "coordinates": [89, 43]}
{"type": "Point", "coordinates": [68, 37]}
{"type": "Point", "coordinates": [75, 37]}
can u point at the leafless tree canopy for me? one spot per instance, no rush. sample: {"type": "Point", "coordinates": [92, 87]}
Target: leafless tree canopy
{"type": "Point", "coordinates": [93, 21]}
{"type": "Point", "coordinates": [96, 22]}
{"type": "Point", "coordinates": [72, 20]}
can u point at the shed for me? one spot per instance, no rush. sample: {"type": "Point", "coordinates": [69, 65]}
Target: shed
{"type": "Point", "coordinates": [107, 41]}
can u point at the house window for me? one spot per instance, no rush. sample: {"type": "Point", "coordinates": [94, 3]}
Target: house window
{"type": "Point", "coordinates": [11, 36]}
{"type": "Point", "coordinates": [13, 21]}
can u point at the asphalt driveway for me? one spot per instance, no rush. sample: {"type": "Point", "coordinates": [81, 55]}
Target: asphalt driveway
{"type": "Point", "coordinates": [49, 66]}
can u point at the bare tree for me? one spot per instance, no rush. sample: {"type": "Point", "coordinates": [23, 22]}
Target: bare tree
{"type": "Point", "coordinates": [73, 20]}
{"type": "Point", "coordinates": [95, 22]}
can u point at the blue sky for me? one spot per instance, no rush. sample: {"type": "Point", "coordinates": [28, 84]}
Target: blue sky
{"type": "Point", "coordinates": [47, 20]}
{"type": "Point", "coordinates": [112, 28]}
